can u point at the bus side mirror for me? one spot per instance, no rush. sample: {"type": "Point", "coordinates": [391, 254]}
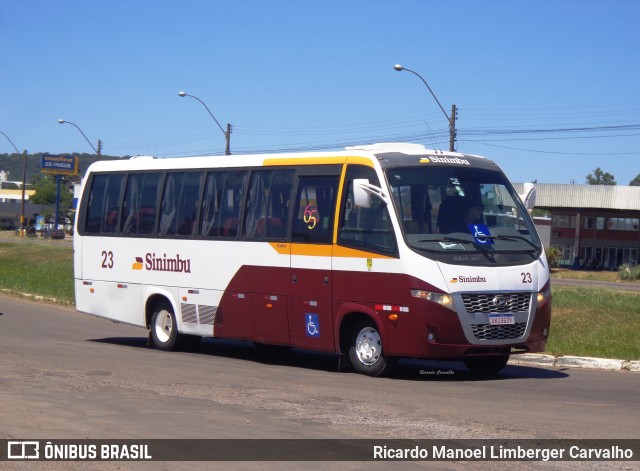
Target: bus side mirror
{"type": "Point", "coordinates": [363, 190]}
{"type": "Point", "coordinates": [362, 199]}
{"type": "Point", "coordinates": [529, 196]}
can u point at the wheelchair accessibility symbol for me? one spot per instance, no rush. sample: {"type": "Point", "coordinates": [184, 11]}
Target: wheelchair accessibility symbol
{"type": "Point", "coordinates": [313, 325]}
{"type": "Point", "coordinates": [481, 233]}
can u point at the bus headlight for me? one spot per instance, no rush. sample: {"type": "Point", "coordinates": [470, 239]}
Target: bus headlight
{"type": "Point", "coordinates": [543, 296]}
{"type": "Point", "coordinates": [438, 298]}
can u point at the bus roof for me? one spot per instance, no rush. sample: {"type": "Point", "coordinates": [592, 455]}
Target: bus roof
{"type": "Point", "coordinates": [388, 154]}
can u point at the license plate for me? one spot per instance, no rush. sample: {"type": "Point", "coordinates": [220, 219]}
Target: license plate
{"type": "Point", "coordinates": [501, 319]}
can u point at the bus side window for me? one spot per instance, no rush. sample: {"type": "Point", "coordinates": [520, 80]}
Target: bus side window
{"type": "Point", "coordinates": [221, 203]}
{"type": "Point", "coordinates": [188, 204]}
{"type": "Point", "coordinates": [211, 204]}
{"type": "Point", "coordinates": [267, 206]}
{"type": "Point", "coordinates": [365, 228]}
{"type": "Point", "coordinates": [234, 187]}
{"type": "Point", "coordinates": [314, 209]}
{"type": "Point", "coordinates": [148, 202]}
{"type": "Point", "coordinates": [168, 206]}
{"type": "Point", "coordinates": [179, 204]}
{"type": "Point", "coordinates": [130, 205]}
{"type": "Point", "coordinates": [139, 207]}
{"type": "Point", "coordinates": [112, 204]}
{"type": "Point", "coordinates": [95, 205]}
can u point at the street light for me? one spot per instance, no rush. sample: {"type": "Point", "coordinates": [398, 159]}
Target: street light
{"type": "Point", "coordinates": [452, 119]}
{"type": "Point", "coordinates": [97, 151]}
{"type": "Point", "coordinates": [24, 177]}
{"type": "Point", "coordinates": [227, 133]}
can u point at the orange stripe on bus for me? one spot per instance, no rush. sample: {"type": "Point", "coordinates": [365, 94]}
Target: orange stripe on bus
{"type": "Point", "coordinates": [339, 251]}
{"type": "Point", "coordinates": [321, 250]}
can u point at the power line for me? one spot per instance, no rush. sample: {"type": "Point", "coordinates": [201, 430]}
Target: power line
{"type": "Point", "coordinates": [551, 151]}
{"type": "Point", "coordinates": [414, 130]}
{"type": "Point", "coordinates": [484, 132]}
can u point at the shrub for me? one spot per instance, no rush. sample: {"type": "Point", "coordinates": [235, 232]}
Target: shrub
{"type": "Point", "coordinates": [553, 255]}
{"type": "Point", "coordinates": [628, 272]}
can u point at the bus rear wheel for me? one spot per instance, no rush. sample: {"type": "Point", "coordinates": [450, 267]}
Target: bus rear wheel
{"type": "Point", "coordinates": [365, 349]}
{"type": "Point", "coordinates": [164, 328]}
{"type": "Point", "coordinates": [486, 366]}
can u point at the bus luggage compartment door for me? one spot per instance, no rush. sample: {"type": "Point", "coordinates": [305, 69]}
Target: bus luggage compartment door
{"type": "Point", "coordinates": [270, 319]}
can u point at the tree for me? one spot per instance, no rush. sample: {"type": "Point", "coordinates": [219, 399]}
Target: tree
{"type": "Point", "coordinates": [635, 181]}
{"type": "Point", "coordinates": [600, 178]}
{"type": "Point", "coordinates": [46, 193]}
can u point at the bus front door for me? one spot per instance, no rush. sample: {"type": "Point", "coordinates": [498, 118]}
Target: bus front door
{"type": "Point", "coordinates": [311, 318]}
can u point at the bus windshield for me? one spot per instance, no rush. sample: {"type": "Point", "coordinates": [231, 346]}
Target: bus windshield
{"type": "Point", "coordinates": [451, 213]}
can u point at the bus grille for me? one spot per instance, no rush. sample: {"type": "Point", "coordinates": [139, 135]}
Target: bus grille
{"type": "Point", "coordinates": [200, 314]}
{"type": "Point", "coordinates": [498, 332]}
{"type": "Point", "coordinates": [496, 302]}
{"type": "Point", "coordinates": [189, 313]}
{"type": "Point", "coordinates": [207, 314]}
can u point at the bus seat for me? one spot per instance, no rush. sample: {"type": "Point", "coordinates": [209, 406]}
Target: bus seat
{"type": "Point", "coordinates": [270, 227]}
{"type": "Point", "coordinates": [147, 220]}
{"type": "Point", "coordinates": [230, 227]}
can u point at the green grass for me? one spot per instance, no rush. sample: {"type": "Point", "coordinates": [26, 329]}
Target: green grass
{"type": "Point", "coordinates": [595, 322]}
{"type": "Point", "coordinates": [586, 321]}
{"type": "Point", "coordinates": [612, 276]}
{"type": "Point", "coordinates": [37, 267]}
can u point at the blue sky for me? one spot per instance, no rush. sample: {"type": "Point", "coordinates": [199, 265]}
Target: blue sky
{"type": "Point", "coordinates": [548, 89]}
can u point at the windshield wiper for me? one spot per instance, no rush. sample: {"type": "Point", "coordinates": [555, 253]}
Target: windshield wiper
{"type": "Point", "coordinates": [448, 239]}
{"type": "Point", "coordinates": [458, 239]}
{"type": "Point", "coordinates": [512, 237]}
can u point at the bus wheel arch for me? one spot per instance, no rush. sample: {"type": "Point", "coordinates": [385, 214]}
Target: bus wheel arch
{"type": "Point", "coordinates": [362, 345]}
{"type": "Point", "coordinates": [162, 321]}
{"type": "Point", "coordinates": [164, 327]}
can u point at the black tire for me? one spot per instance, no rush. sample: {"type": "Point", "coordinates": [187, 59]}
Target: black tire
{"type": "Point", "coordinates": [486, 366]}
{"type": "Point", "coordinates": [366, 352]}
{"type": "Point", "coordinates": [164, 328]}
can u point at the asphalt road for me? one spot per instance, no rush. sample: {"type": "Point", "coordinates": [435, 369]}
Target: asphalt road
{"type": "Point", "coordinates": [68, 375]}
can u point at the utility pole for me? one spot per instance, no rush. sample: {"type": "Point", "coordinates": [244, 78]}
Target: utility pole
{"type": "Point", "coordinates": [24, 182]}
{"type": "Point", "coordinates": [99, 148]}
{"type": "Point", "coordinates": [452, 128]}
{"type": "Point", "coordinates": [227, 136]}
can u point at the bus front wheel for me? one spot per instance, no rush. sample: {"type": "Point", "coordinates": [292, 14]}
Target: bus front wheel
{"type": "Point", "coordinates": [164, 328]}
{"type": "Point", "coordinates": [365, 349]}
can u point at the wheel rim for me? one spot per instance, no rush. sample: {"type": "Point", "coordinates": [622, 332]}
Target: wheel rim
{"type": "Point", "coordinates": [368, 346]}
{"type": "Point", "coordinates": [163, 326]}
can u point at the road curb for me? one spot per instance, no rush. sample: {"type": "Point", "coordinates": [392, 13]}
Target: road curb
{"type": "Point", "coordinates": [569, 361]}
{"type": "Point", "coordinates": [35, 297]}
